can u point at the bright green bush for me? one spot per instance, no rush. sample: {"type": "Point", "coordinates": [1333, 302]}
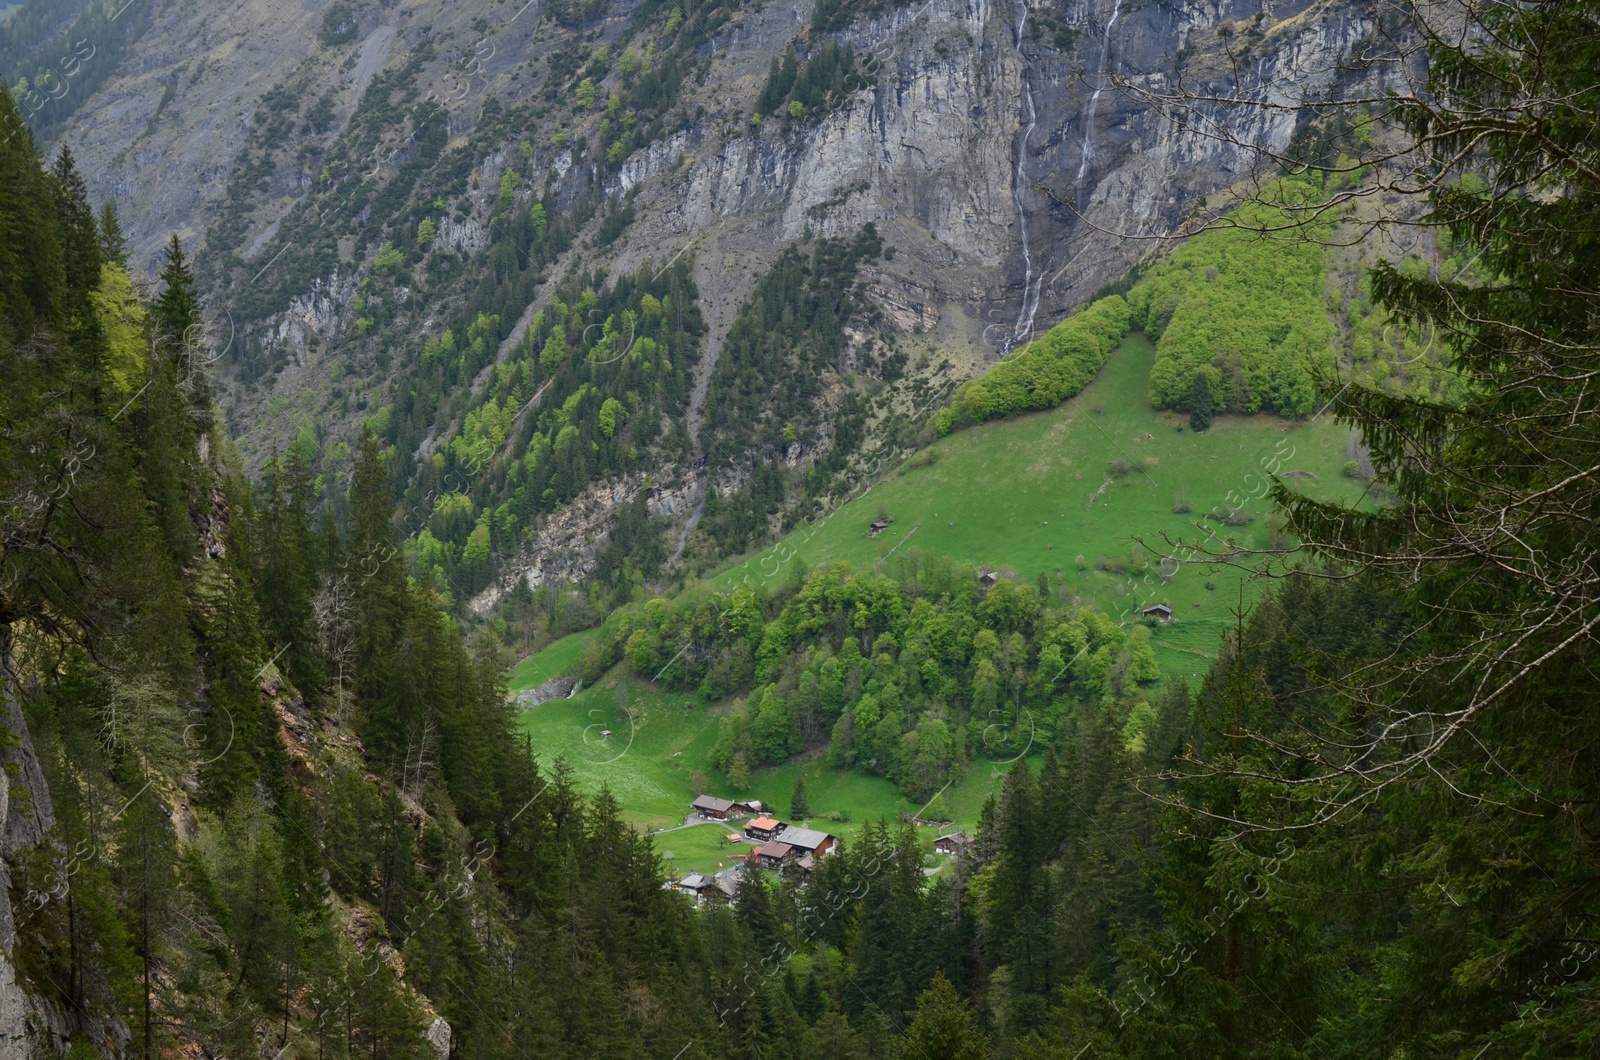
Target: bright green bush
{"type": "Point", "coordinates": [1244, 308]}
{"type": "Point", "coordinates": [1043, 373]}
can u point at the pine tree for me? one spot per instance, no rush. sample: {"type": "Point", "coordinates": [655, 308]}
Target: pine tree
{"type": "Point", "coordinates": [942, 1028]}
{"type": "Point", "coordinates": [80, 236]}
{"type": "Point", "coordinates": [113, 247]}
{"type": "Point", "coordinates": [799, 804]}
{"type": "Point", "coordinates": [177, 308]}
{"type": "Point", "coordinates": [177, 318]}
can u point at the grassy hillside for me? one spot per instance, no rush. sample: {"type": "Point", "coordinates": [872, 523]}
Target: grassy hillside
{"type": "Point", "coordinates": [660, 740]}
{"type": "Point", "coordinates": [1045, 493]}
{"type": "Point", "coordinates": [1026, 495]}
{"type": "Point", "coordinates": [556, 659]}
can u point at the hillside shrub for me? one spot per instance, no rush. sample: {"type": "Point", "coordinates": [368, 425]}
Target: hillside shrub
{"type": "Point", "coordinates": [1242, 309]}
{"type": "Point", "coordinates": [1043, 373]}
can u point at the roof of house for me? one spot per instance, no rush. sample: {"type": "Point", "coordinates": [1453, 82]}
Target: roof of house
{"type": "Point", "coordinates": [807, 863]}
{"type": "Point", "coordinates": [694, 882]}
{"type": "Point", "coordinates": [956, 837]}
{"type": "Point", "coordinates": [805, 838]}
{"type": "Point", "coordinates": [764, 824]}
{"type": "Point", "coordinates": [1158, 607]}
{"type": "Point", "coordinates": [711, 802]}
{"type": "Point", "coordinates": [776, 849]}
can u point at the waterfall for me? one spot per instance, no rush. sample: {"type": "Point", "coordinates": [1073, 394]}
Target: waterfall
{"type": "Point", "coordinates": [1094, 99]}
{"type": "Point", "coordinates": [1031, 290]}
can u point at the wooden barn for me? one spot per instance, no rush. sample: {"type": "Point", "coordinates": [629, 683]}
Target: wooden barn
{"type": "Point", "coordinates": [712, 807]}
{"type": "Point", "coordinates": [808, 841]}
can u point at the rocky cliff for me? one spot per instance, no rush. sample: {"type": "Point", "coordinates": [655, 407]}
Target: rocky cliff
{"type": "Point", "coordinates": [1009, 151]}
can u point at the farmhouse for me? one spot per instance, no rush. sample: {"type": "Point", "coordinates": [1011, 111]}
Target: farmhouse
{"type": "Point", "coordinates": [808, 841]}
{"type": "Point", "coordinates": [987, 578]}
{"type": "Point", "coordinates": [954, 843]}
{"type": "Point", "coordinates": [1159, 611]}
{"type": "Point", "coordinates": [877, 528]}
{"type": "Point", "coordinates": [763, 829]}
{"type": "Point", "coordinates": [695, 884]}
{"type": "Point", "coordinates": [712, 807]}
{"type": "Point", "coordinates": [725, 886]}
{"type": "Point", "coordinates": [776, 854]}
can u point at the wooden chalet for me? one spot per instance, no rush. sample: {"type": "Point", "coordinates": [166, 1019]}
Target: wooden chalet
{"type": "Point", "coordinates": [808, 841]}
{"type": "Point", "coordinates": [764, 829]}
{"type": "Point", "coordinates": [776, 854]}
{"type": "Point", "coordinates": [712, 807]}
{"type": "Point", "coordinates": [953, 843]}
{"type": "Point", "coordinates": [1160, 612]}
{"type": "Point", "coordinates": [695, 884]}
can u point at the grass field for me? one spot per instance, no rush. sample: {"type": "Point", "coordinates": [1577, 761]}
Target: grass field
{"type": "Point", "coordinates": [556, 659]}
{"type": "Point", "coordinates": [1036, 493]}
{"type": "Point", "coordinates": [659, 740]}
{"type": "Point", "coordinates": [703, 848]}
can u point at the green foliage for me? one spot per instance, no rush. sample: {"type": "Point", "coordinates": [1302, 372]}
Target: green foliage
{"type": "Point", "coordinates": [59, 54]}
{"type": "Point", "coordinates": [799, 802]}
{"type": "Point", "coordinates": [1243, 307]}
{"type": "Point", "coordinates": [121, 317]}
{"type": "Point", "coordinates": [942, 1028]}
{"type": "Point", "coordinates": [1045, 372]}
{"type": "Point", "coordinates": [389, 258]}
{"type": "Point", "coordinates": [829, 74]}
{"type": "Point", "coordinates": [339, 26]}
{"type": "Point", "coordinates": [907, 679]}
{"type": "Point", "coordinates": [510, 181]}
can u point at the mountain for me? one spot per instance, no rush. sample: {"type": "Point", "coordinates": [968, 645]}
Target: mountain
{"type": "Point", "coordinates": [1011, 157]}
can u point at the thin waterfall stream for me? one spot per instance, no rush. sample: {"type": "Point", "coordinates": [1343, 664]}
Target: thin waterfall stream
{"type": "Point", "coordinates": [1031, 288]}
{"type": "Point", "coordinates": [1094, 98]}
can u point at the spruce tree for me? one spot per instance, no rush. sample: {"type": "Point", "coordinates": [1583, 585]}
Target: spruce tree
{"type": "Point", "coordinates": [942, 1028]}
{"type": "Point", "coordinates": [799, 804]}
{"type": "Point", "coordinates": [113, 247]}
{"type": "Point", "coordinates": [80, 235]}
{"type": "Point", "coordinates": [178, 323]}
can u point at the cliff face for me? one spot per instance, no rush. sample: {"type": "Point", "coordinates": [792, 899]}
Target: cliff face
{"type": "Point", "coordinates": [1001, 145]}
{"type": "Point", "coordinates": [27, 1024]}
{"type": "Point", "coordinates": [1007, 150]}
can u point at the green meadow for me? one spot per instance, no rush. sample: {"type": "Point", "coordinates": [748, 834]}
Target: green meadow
{"type": "Point", "coordinates": [556, 659]}
{"type": "Point", "coordinates": [1085, 493]}
{"type": "Point", "coordinates": [660, 740]}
